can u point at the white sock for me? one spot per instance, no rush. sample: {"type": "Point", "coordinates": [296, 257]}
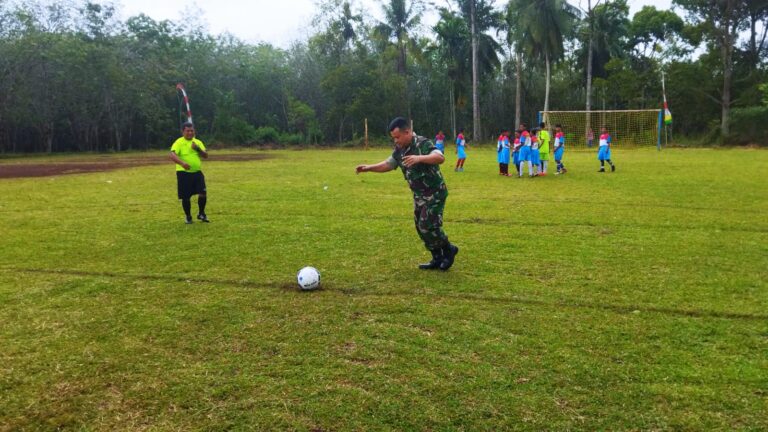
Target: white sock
{"type": "Point", "coordinates": [530, 168]}
{"type": "Point", "coordinates": [544, 165]}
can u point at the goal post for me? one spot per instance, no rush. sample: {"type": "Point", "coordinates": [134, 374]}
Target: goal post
{"type": "Point", "coordinates": [628, 128]}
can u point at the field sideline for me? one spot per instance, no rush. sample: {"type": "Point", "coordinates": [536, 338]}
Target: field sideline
{"type": "Point", "coordinates": [634, 300]}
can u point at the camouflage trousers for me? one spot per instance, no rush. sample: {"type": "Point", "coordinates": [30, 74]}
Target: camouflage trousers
{"type": "Point", "coordinates": [428, 216]}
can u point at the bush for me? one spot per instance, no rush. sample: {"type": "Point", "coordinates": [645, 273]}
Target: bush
{"type": "Point", "coordinates": [749, 126]}
{"type": "Point", "coordinates": [235, 131]}
{"type": "Point", "coordinates": [266, 135]}
{"type": "Point", "coordinates": [292, 139]}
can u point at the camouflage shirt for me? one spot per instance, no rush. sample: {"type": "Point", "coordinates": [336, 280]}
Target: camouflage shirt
{"type": "Point", "coordinates": [424, 179]}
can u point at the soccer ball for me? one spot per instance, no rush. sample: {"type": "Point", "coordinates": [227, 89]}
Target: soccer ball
{"type": "Point", "coordinates": [308, 278]}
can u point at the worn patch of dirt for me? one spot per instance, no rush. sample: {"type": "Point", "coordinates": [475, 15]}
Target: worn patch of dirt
{"type": "Point", "coordinates": [104, 163]}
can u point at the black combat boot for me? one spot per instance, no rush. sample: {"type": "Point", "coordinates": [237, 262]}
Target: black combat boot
{"type": "Point", "coordinates": [437, 259]}
{"type": "Point", "coordinates": [449, 253]}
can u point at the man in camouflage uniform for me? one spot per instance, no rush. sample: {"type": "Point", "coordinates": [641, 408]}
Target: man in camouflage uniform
{"type": "Point", "coordinates": [420, 159]}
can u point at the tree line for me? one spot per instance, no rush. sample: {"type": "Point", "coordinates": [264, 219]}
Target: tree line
{"type": "Point", "coordinates": [76, 77]}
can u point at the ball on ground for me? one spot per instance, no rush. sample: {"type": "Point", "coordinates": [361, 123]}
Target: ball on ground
{"type": "Point", "coordinates": [308, 278]}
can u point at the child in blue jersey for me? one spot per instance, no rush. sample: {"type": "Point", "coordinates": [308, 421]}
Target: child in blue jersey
{"type": "Point", "coordinates": [535, 159]}
{"type": "Point", "coordinates": [604, 152]}
{"type": "Point", "coordinates": [525, 150]}
{"type": "Point", "coordinates": [559, 149]}
{"type": "Point", "coordinates": [440, 141]}
{"type": "Point", "coordinates": [502, 150]}
{"type": "Point", "coordinates": [461, 153]}
{"type": "Point", "coordinates": [516, 152]}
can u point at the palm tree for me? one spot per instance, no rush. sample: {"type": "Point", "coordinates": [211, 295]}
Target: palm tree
{"type": "Point", "coordinates": [481, 17]}
{"type": "Point", "coordinates": [455, 48]}
{"type": "Point", "coordinates": [546, 23]}
{"type": "Point", "coordinates": [451, 50]}
{"type": "Point", "coordinates": [400, 19]}
{"type": "Point", "coordinates": [517, 37]}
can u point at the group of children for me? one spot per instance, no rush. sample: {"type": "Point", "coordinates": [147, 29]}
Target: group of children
{"type": "Point", "coordinates": [531, 148]}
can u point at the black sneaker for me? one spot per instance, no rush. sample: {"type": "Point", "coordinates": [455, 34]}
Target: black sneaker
{"type": "Point", "coordinates": [449, 254]}
{"type": "Point", "coordinates": [188, 220]}
{"type": "Point", "coordinates": [613, 168]}
{"type": "Point", "coordinates": [202, 218]}
{"type": "Point", "coordinates": [601, 170]}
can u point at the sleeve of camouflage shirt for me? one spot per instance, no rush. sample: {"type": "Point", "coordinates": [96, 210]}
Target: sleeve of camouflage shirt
{"type": "Point", "coordinates": [427, 147]}
{"type": "Point", "coordinates": [392, 159]}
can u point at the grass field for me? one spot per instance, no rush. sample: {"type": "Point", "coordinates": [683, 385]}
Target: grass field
{"type": "Point", "coordinates": [636, 300]}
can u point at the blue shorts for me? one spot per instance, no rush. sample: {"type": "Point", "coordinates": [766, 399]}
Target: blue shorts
{"type": "Point", "coordinates": [604, 153]}
{"type": "Point", "coordinates": [440, 147]}
{"type": "Point", "coordinates": [559, 154]}
{"type": "Point", "coordinates": [503, 156]}
{"type": "Point", "coordinates": [525, 153]}
{"type": "Point", "coordinates": [461, 154]}
{"type": "Point", "coordinates": [516, 158]}
{"type": "Point", "coordinates": [535, 159]}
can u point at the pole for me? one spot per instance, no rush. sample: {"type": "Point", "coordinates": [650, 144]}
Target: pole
{"type": "Point", "coordinates": [366, 133]}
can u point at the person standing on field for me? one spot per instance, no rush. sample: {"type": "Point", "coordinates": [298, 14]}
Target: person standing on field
{"type": "Point", "coordinates": [186, 153]}
{"type": "Point", "coordinates": [543, 148]}
{"type": "Point", "coordinates": [420, 161]}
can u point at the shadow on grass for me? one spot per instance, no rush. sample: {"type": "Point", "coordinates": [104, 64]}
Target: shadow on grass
{"type": "Point", "coordinates": [284, 286]}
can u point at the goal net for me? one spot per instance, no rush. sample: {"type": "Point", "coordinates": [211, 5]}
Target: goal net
{"type": "Point", "coordinates": [630, 128]}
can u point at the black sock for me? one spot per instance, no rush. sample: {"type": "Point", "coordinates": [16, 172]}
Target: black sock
{"type": "Point", "coordinates": [610, 163]}
{"type": "Point", "coordinates": [186, 204]}
{"type": "Point", "coordinates": [201, 200]}
{"type": "Point", "coordinates": [602, 164]}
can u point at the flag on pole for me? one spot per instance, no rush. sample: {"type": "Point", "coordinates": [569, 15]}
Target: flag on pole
{"type": "Point", "coordinates": [667, 112]}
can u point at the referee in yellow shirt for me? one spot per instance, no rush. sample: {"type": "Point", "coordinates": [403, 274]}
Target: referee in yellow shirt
{"type": "Point", "coordinates": [186, 153]}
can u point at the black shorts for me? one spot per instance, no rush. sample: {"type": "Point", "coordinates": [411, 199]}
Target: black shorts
{"type": "Point", "coordinates": [190, 183]}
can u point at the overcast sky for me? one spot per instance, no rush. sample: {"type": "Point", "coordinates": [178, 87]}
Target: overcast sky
{"type": "Point", "coordinates": [278, 22]}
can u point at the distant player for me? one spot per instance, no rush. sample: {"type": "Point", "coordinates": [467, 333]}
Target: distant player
{"type": "Point", "coordinates": [590, 137]}
{"type": "Point", "coordinates": [420, 162]}
{"type": "Point", "coordinates": [535, 154]}
{"type": "Point", "coordinates": [604, 152]}
{"type": "Point", "coordinates": [502, 150]}
{"type": "Point", "coordinates": [440, 141]}
{"type": "Point", "coordinates": [186, 153]}
{"type": "Point", "coordinates": [543, 148]}
{"type": "Point", "coordinates": [516, 152]}
{"type": "Point", "coordinates": [559, 149]}
{"type": "Point", "coordinates": [461, 152]}
{"type": "Point", "coordinates": [525, 150]}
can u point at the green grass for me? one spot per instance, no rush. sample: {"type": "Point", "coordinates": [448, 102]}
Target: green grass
{"type": "Point", "coordinates": [629, 301]}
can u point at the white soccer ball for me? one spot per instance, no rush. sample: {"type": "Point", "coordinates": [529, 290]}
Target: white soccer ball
{"type": "Point", "coordinates": [308, 278]}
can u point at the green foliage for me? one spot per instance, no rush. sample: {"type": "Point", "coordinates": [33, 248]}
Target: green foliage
{"type": "Point", "coordinates": [749, 126]}
{"type": "Point", "coordinates": [292, 139]}
{"type": "Point", "coordinates": [109, 83]}
{"type": "Point", "coordinates": [266, 135]}
{"type": "Point", "coordinates": [764, 89]}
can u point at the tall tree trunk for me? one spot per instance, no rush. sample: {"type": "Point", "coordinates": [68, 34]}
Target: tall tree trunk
{"type": "Point", "coordinates": [727, 40]}
{"type": "Point", "coordinates": [518, 85]}
{"type": "Point", "coordinates": [727, 52]}
{"type": "Point", "coordinates": [587, 126]}
{"type": "Point", "coordinates": [549, 75]}
{"type": "Point", "coordinates": [403, 70]}
{"type": "Point", "coordinates": [589, 56]}
{"type": "Point", "coordinates": [453, 108]}
{"type": "Point", "coordinates": [476, 131]}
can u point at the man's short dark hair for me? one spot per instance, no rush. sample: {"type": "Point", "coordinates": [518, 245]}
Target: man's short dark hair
{"type": "Point", "coordinates": [542, 125]}
{"type": "Point", "coordinates": [187, 125]}
{"type": "Point", "coordinates": [398, 123]}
